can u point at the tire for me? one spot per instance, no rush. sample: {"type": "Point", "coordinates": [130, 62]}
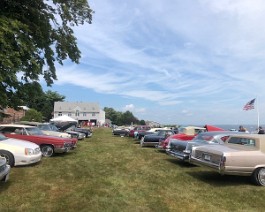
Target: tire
{"type": "Point", "coordinates": [258, 176]}
{"type": "Point", "coordinates": [10, 160]}
{"type": "Point", "coordinates": [47, 150]}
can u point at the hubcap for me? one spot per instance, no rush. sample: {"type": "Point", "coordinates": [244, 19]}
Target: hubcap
{"type": "Point", "coordinates": [261, 176]}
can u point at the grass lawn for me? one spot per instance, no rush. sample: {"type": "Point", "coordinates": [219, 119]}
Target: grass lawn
{"type": "Point", "coordinates": [107, 173]}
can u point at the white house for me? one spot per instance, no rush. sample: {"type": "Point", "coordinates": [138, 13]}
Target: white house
{"type": "Point", "coordinates": [83, 112]}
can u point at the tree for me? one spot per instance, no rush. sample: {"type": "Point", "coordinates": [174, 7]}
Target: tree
{"type": "Point", "coordinates": [120, 118]}
{"type": "Point", "coordinates": [49, 98]}
{"type": "Point", "coordinates": [33, 36]}
{"type": "Point", "coordinates": [32, 115]}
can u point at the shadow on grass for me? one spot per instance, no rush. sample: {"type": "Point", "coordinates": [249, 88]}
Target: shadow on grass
{"type": "Point", "coordinates": [216, 179]}
{"type": "Point", "coordinates": [180, 163]}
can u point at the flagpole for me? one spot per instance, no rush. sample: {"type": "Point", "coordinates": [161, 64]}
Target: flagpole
{"type": "Point", "coordinates": [258, 111]}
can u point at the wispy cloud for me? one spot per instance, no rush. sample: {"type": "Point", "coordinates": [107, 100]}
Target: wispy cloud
{"type": "Point", "coordinates": [202, 55]}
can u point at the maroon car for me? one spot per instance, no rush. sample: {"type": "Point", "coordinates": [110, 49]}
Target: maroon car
{"type": "Point", "coordinates": [49, 145]}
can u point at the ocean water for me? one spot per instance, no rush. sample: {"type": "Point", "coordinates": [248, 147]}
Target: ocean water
{"type": "Point", "coordinates": [249, 127]}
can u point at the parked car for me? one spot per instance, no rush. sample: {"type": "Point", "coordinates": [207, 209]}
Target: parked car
{"type": "Point", "coordinates": [19, 152]}
{"type": "Point", "coordinates": [4, 170]}
{"type": "Point", "coordinates": [120, 131]}
{"type": "Point", "coordinates": [47, 129]}
{"type": "Point", "coordinates": [66, 127]}
{"type": "Point", "coordinates": [242, 154]}
{"type": "Point", "coordinates": [86, 131]}
{"type": "Point", "coordinates": [186, 134]}
{"type": "Point", "coordinates": [138, 128]}
{"type": "Point", "coordinates": [142, 133]}
{"type": "Point", "coordinates": [182, 149]}
{"type": "Point", "coordinates": [48, 144]}
{"type": "Point", "coordinates": [153, 139]}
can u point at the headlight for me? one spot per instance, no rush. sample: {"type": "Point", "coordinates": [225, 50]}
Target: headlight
{"type": "Point", "coordinates": [29, 151]}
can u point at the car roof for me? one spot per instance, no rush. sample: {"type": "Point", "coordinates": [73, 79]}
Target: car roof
{"type": "Point", "coordinates": [17, 125]}
{"type": "Point", "coordinates": [221, 133]}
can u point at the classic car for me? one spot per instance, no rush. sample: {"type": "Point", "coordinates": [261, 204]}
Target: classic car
{"type": "Point", "coordinates": [121, 131]}
{"type": "Point", "coordinates": [67, 127]}
{"type": "Point", "coordinates": [46, 128]}
{"type": "Point", "coordinates": [19, 152]}
{"type": "Point", "coordinates": [186, 134]}
{"type": "Point", "coordinates": [153, 139]}
{"type": "Point", "coordinates": [242, 154]}
{"type": "Point", "coordinates": [142, 133]}
{"type": "Point", "coordinates": [86, 131]}
{"type": "Point", "coordinates": [133, 131]}
{"type": "Point", "coordinates": [4, 170]}
{"type": "Point", "coordinates": [182, 149]}
{"type": "Point", "coordinates": [48, 144]}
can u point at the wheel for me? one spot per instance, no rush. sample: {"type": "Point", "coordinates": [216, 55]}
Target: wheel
{"type": "Point", "coordinates": [47, 150]}
{"type": "Point", "coordinates": [258, 176]}
{"type": "Point", "coordinates": [9, 157]}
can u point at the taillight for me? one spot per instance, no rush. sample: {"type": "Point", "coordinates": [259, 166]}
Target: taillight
{"type": "Point", "coordinates": [222, 162]}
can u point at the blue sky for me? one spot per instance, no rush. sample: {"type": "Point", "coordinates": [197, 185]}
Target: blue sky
{"type": "Point", "coordinates": [174, 61]}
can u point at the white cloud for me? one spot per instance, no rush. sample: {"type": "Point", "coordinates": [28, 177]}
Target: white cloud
{"type": "Point", "coordinates": [204, 55]}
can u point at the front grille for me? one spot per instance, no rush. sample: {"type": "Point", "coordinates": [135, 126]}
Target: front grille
{"type": "Point", "coordinates": [67, 145]}
{"type": "Point", "coordinates": [36, 151]}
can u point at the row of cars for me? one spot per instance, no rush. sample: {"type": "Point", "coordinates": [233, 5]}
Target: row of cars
{"type": "Point", "coordinates": [26, 143]}
{"type": "Point", "coordinates": [227, 152]}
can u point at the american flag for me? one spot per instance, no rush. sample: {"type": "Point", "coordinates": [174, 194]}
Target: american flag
{"type": "Point", "coordinates": [249, 105]}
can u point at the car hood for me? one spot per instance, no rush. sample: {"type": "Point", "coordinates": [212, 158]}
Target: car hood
{"type": "Point", "coordinates": [18, 142]}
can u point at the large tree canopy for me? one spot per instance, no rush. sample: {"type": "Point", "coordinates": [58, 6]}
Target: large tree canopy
{"type": "Point", "coordinates": [34, 34]}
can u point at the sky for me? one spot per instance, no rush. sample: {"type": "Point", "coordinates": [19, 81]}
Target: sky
{"type": "Point", "coordinates": [173, 61]}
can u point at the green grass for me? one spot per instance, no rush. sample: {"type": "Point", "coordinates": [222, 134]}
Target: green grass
{"type": "Point", "coordinates": [107, 173]}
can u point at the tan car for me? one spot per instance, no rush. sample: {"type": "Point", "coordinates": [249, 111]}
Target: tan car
{"type": "Point", "coordinates": [242, 154]}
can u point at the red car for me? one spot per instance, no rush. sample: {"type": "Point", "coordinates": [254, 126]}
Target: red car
{"type": "Point", "coordinates": [138, 128]}
{"type": "Point", "coordinates": [49, 145]}
{"type": "Point", "coordinates": [187, 134]}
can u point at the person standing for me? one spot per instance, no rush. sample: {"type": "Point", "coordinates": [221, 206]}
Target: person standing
{"type": "Point", "coordinates": [261, 130]}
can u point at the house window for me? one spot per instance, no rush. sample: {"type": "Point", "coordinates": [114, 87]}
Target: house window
{"type": "Point", "coordinates": [77, 113]}
{"type": "Point", "coordinates": [84, 114]}
{"type": "Point", "coordinates": [60, 114]}
{"type": "Point", "coordinates": [93, 114]}
{"type": "Point", "coordinates": [69, 114]}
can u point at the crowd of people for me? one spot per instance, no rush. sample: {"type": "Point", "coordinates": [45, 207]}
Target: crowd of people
{"type": "Point", "coordinates": [243, 129]}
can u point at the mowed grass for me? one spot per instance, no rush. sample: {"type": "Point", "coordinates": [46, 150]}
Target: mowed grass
{"type": "Point", "coordinates": [110, 173]}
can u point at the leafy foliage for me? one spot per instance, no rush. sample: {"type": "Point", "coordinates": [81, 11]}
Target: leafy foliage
{"type": "Point", "coordinates": [32, 115]}
{"type": "Point", "coordinates": [34, 97]}
{"type": "Point", "coordinates": [120, 118]}
{"type": "Point", "coordinates": [33, 36]}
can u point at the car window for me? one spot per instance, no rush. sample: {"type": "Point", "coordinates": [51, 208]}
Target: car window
{"type": "Point", "coordinates": [7, 129]}
{"type": "Point", "coordinates": [242, 141]}
{"type": "Point", "coordinates": [34, 131]}
{"type": "Point", "coordinates": [45, 127]}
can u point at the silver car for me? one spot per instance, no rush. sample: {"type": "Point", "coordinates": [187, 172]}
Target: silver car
{"type": "Point", "coordinates": [182, 149]}
{"type": "Point", "coordinates": [242, 154]}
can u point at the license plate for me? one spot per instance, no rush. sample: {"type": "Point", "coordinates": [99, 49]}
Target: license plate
{"type": "Point", "coordinates": [207, 157]}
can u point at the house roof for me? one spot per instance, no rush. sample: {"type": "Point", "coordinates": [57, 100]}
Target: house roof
{"type": "Point", "coordinates": [73, 106]}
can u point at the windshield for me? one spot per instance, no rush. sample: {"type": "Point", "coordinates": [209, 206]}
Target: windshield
{"type": "Point", "coordinates": [34, 131]}
{"type": "Point", "coordinates": [45, 127]}
{"type": "Point", "coordinates": [201, 138]}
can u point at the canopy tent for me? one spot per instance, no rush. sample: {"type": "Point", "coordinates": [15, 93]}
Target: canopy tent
{"type": "Point", "coordinates": [63, 119]}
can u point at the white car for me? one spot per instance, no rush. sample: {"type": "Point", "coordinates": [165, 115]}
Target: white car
{"type": "Point", "coordinates": [19, 152]}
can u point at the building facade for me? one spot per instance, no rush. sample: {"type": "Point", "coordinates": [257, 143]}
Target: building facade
{"type": "Point", "coordinates": [84, 112]}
